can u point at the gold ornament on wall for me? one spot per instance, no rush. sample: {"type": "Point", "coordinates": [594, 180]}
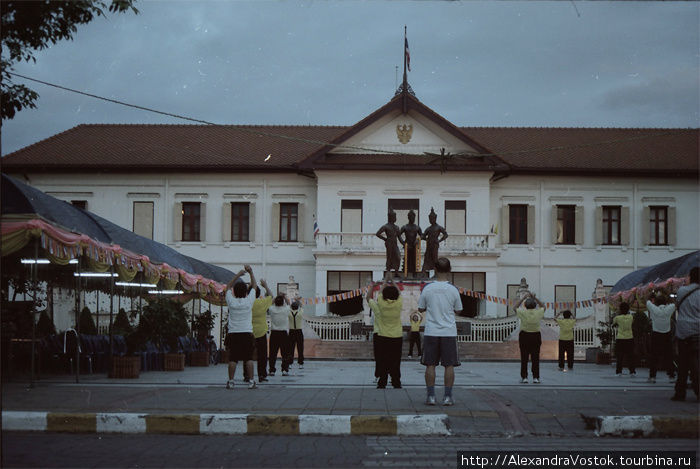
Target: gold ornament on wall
{"type": "Point", "coordinates": [404, 132]}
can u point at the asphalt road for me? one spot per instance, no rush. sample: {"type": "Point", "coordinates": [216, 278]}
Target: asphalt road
{"type": "Point", "coordinates": [51, 450]}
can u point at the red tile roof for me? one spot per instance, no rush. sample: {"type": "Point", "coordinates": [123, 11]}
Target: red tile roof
{"type": "Point", "coordinates": [103, 147]}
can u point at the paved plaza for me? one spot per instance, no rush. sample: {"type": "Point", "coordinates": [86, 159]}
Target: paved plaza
{"type": "Point", "coordinates": [489, 400]}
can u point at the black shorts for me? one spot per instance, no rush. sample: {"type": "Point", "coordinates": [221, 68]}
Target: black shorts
{"type": "Point", "coordinates": [440, 350]}
{"type": "Point", "coordinates": [240, 346]}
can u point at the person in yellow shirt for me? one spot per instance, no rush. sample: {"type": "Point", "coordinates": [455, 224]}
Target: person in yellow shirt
{"type": "Point", "coordinates": [260, 306]}
{"type": "Point", "coordinates": [387, 310]}
{"type": "Point", "coordinates": [566, 339]}
{"type": "Point", "coordinates": [414, 338]}
{"type": "Point", "coordinates": [530, 339]}
{"type": "Point", "coordinates": [624, 344]}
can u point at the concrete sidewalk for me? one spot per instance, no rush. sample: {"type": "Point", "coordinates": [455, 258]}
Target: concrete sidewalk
{"type": "Point", "coordinates": [340, 397]}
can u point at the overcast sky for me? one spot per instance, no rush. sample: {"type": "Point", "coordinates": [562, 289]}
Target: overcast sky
{"type": "Point", "coordinates": [564, 64]}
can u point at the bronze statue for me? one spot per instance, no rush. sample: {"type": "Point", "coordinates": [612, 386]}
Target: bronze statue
{"type": "Point", "coordinates": [433, 239]}
{"type": "Point", "coordinates": [409, 236]}
{"type": "Point", "coordinates": [389, 233]}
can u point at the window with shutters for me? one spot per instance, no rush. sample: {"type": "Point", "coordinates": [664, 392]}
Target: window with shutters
{"type": "Point", "coordinates": [351, 216]}
{"type": "Point", "coordinates": [611, 225]}
{"type": "Point", "coordinates": [143, 219]}
{"type": "Point", "coordinates": [240, 221]}
{"type": "Point", "coordinates": [517, 224]}
{"type": "Point", "coordinates": [456, 216]}
{"type": "Point", "coordinates": [190, 221]}
{"type": "Point", "coordinates": [289, 222]}
{"type": "Point", "coordinates": [658, 225]}
{"type": "Point", "coordinates": [344, 281]}
{"type": "Point", "coordinates": [566, 224]}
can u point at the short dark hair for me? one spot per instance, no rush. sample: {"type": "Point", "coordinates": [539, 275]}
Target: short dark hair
{"type": "Point", "coordinates": [240, 289]}
{"type": "Point", "coordinates": [390, 292]}
{"type": "Point", "coordinates": [661, 298]}
{"type": "Point", "coordinates": [530, 303]}
{"type": "Point", "coordinates": [694, 275]}
{"type": "Point", "coordinates": [279, 300]}
{"type": "Point", "coordinates": [624, 308]}
{"type": "Point", "coordinates": [566, 313]}
{"type": "Point", "coordinates": [443, 266]}
{"type": "Point", "coordinates": [296, 305]}
{"type": "Point", "coordinates": [257, 292]}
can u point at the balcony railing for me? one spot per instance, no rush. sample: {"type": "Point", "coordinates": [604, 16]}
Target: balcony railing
{"type": "Point", "coordinates": [368, 242]}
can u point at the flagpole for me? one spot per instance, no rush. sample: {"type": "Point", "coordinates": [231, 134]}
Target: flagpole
{"type": "Point", "coordinates": [405, 77]}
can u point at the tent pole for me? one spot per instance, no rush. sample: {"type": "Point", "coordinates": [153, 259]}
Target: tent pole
{"type": "Point", "coordinates": [111, 313]}
{"type": "Point", "coordinates": [77, 322]}
{"type": "Point", "coordinates": [33, 271]}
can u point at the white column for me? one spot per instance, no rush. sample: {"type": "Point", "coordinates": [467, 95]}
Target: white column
{"type": "Point", "coordinates": [321, 291]}
{"type": "Point", "coordinates": [491, 289]}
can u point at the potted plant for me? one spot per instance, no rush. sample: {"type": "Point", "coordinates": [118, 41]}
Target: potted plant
{"type": "Point", "coordinates": [605, 335]}
{"type": "Point", "coordinates": [201, 326]}
{"type": "Point", "coordinates": [129, 365]}
{"type": "Point", "coordinates": [163, 322]}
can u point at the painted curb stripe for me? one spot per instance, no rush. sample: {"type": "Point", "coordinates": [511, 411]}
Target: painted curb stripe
{"type": "Point", "coordinates": [432, 424]}
{"type": "Point", "coordinates": [180, 424]}
{"type": "Point", "coordinates": [121, 423]}
{"type": "Point", "coordinates": [324, 424]}
{"type": "Point", "coordinates": [632, 425]}
{"type": "Point", "coordinates": [273, 425]}
{"type": "Point", "coordinates": [227, 424]}
{"type": "Point", "coordinates": [24, 421]}
{"type": "Point", "coordinates": [373, 425]}
{"type": "Point", "coordinates": [72, 423]}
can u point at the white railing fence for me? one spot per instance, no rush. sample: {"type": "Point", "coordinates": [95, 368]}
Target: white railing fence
{"type": "Point", "coordinates": [482, 330]}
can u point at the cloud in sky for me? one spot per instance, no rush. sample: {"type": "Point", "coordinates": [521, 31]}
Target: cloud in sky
{"type": "Point", "coordinates": [618, 64]}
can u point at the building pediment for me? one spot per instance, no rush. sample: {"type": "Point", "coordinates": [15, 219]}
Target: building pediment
{"type": "Point", "coordinates": [406, 132]}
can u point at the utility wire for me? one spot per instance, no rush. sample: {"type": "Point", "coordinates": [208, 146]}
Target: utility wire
{"type": "Point", "coordinates": [351, 147]}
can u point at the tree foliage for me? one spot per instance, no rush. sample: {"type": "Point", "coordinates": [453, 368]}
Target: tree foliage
{"type": "Point", "coordinates": [29, 26]}
{"type": "Point", "coordinates": [87, 324]}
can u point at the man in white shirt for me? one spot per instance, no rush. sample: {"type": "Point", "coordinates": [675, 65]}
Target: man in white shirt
{"type": "Point", "coordinates": [440, 301]}
{"type": "Point", "coordinates": [660, 312]}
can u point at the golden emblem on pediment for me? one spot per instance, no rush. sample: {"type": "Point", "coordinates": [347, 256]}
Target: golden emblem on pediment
{"type": "Point", "coordinates": [404, 132]}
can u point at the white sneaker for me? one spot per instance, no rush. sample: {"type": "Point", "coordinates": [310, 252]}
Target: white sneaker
{"type": "Point", "coordinates": [430, 400]}
{"type": "Point", "coordinates": [301, 367]}
{"type": "Point", "coordinates": [285, 373]}
{"type": "Point", "coordinates": [229, 384]}
{"type": "Point", "coordinates": [448, 401]}
{"type": "Point", "coordinates": [252, 384]}
{"type": "Point", "coordinates": [524, 381]}
{"type": "Point", "coordinates": [536, 380]}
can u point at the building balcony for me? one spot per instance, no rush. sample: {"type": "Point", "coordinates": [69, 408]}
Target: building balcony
{"type": "Point", "coordinates": [368, 243]}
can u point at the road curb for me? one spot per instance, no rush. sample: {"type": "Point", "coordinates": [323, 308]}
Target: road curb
{"type": "Point", "coordinates": [672, 426]}
{"type": "Point", "coordinates": [226, 424]}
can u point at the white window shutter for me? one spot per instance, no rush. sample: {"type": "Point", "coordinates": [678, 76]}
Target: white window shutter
{"type": "Point", "coordinates": [578, 235]}
{"type": "Point", "coordinates": [645, 226]}
{"type": "Point", "coordinates": [598, 226]}
{"type": "Point", "coordinates": [671, 228]}
{"type": "Point", "coordinates": [275, 222]}
{"type": "Point", "coordinates": [625, 226]}
{"type": "Point", "coordinates": [251, 222]}
{"type": "Point", "coordinates": [531, 224]}
{"type": "Point", "coordinates": [202, 221]}
{"type": "Point", "coordinates": [505, 224]}
{"type": "Point", "coordinates": [300, 222]}
{"type": "Point", "coordinates": [177, 222]}
{"type": "Point", "coordinates": [553, 226]}
{"type": "Point", "coordinates": [226, 222]}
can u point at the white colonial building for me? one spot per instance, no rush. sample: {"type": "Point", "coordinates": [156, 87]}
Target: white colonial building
{"type": "Point", "coordinates": [558, 207]}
